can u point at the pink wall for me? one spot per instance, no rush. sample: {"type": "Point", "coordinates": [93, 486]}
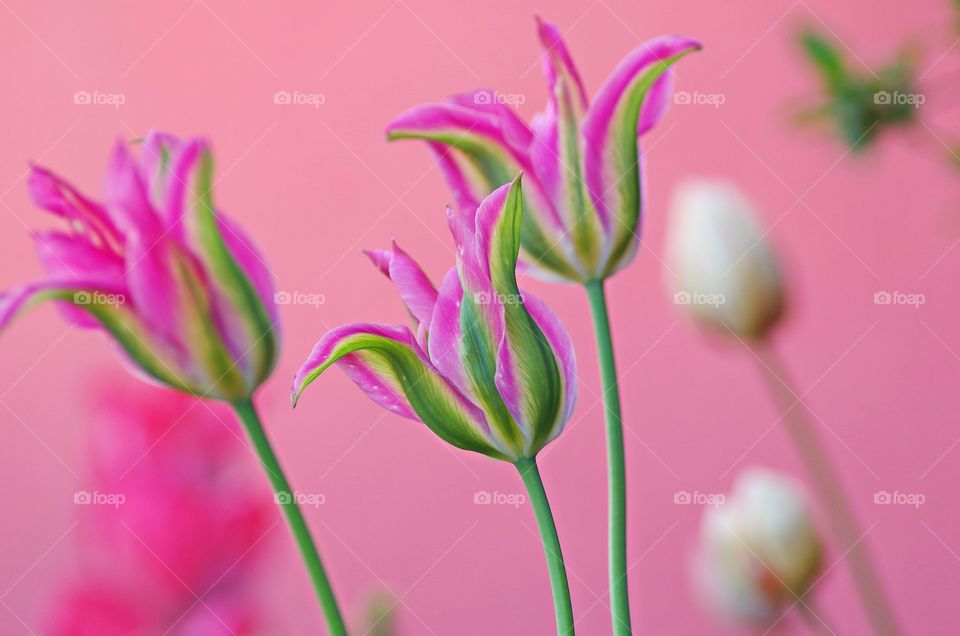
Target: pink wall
{"type": "Point", "coordinates": [315, 185]}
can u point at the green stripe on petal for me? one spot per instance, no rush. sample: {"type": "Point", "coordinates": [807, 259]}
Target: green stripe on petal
{"type": "Point", "coordinates": [528, 377]}
{"type": "Point", "coordinates": [611, 151]}
{"type": "Point", "coordinates": [393, 350]}
{"type": "Point", "coordinates": [228, 279]}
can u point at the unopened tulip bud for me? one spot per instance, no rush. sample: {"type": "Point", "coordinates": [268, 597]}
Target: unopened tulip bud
{"type": "Point", "coordinates": [721, 268]}
{"type": "Point", "coordinates": [759, 551]}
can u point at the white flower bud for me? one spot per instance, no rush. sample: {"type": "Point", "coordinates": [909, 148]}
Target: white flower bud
{"type": "Point", "coordinates": [721, 268]}
{"type": "Point", "coordinates": [759, 550]}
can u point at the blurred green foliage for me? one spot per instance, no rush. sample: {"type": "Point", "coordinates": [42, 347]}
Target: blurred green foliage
{"type": "Point", "coordinates": [860, 105]}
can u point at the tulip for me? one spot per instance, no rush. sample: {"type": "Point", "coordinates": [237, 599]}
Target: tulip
{"type": "Point", "coordinates": [759, 550]}
{"type": "Point", "coordinates": [488, 368]}
{"type": "Point", "coordinates": [174, 283]}
{"type": "Point", "coordinates": [583, 195]}
{"type": "Point", "coordinates": [189, 519]}
{"type": "Point", "coordinates": [724, 272]}
{"type": "Point", "coordinates": [722, 269]}
{"type": "Point", "coordinates": [581, 161]}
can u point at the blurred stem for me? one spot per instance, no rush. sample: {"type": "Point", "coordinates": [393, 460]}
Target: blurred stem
{"type": "Point", "coordinates": [616, 470]}
{"type": "Point", "coordinates": [298, 526]}
{"type": "Point", "coordinates": [551, 545]}
{"type": "Point", "coordinates": [828, 488]}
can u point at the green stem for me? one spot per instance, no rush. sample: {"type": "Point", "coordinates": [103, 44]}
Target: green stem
{"type": "Point", "coordinates": [551, 545]}
{"type": "Point", "coordinates": [828, 488]}
{"type": "Point", "coordinates": [298, 526]}
{"type": "Point", "coordinates": [616, 471]}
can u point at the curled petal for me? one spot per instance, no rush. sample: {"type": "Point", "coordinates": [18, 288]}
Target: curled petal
{"type": "Point", "coordinates": [107, 304]}
{"type": "Point", "coordinates": [52, 193]}
{"type": "Point", "coordinates": [418, 293]}
{"type": "Point", "coordinates": [611, 153]}
{"type": "Point", "coordinates": [393, 356]}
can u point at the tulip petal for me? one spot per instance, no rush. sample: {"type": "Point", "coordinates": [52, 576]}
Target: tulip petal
{"type": "Point", "coordinates": [55, 195]}
{"type": "Point", "coordinates": [444, 344]}
{"type": "Point", "coordinates": [116, 317]}
{"type": "Point", "coordinates": [76, 257]}
{"type": "Point", "coordinates": [527, 374]}
{"type": "Point", "coordinates": [611, 152]}
{"type": "Point", "coordinates": [481, 145]}
{"type": "Point", "coordinates": [564, 352]}
{"type": "Point", "coordinates": [242, 314]}
{"type": "Point", "coordinates": [556, 151]}
{"type": "Point", "coordinates": [126, 196]}
{"type": "Point", "coordinates": [166, 164]}
{"type": "Point", "coordinates": [392, 356]}
{"type": "Point", "coordinates": [559, 67]}
{"type": "Point", "coordinates": [418, 293]}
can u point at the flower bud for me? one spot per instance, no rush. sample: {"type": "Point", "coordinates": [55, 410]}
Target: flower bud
{"type": "Point", "coordinates": [759, 550]}
{"type": "Point", "coordinates": [720, 267]}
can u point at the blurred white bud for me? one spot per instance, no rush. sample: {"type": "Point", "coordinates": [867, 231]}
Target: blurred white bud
{"type": "Point", "coordinates": [726, 273]}
{"type": "Point", "coordinates": [759, 551]}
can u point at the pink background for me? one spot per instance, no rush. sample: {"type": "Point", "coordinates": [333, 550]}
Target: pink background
{"type": "Point", "coordinates": [315, 185]}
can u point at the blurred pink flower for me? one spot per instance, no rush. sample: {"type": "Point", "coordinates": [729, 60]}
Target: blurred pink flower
{"type": "Point", "coordinates": [188, 522]}
{"type": "Point", "coordinates": [174, 282]}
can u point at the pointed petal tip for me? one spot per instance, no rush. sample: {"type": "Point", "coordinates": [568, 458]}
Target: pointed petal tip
{"type": "Point", "coordinates": [380, 259]}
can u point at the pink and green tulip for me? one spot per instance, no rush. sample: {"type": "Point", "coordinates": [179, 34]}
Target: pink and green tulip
{"type": "Point", "coordinates": [488, 368]}
{"type": "Point", "coordinates": [583, 187]}
{"type": "Point", "coordinates": [583, 190]}
{"type": "Point", "coordinates": [176, 285]}
{"type": "Point", "coordinates": [173, 282]}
